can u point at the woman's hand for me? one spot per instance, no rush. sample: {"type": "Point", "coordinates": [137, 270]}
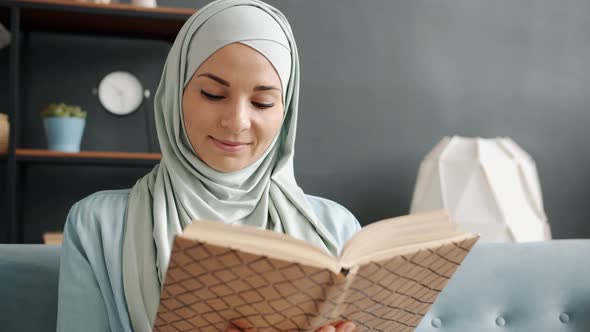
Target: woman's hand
{"type": "Point", "coordinates": [337, 327]}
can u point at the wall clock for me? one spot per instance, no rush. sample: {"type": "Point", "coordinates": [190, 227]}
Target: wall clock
{"type": "Point", "coordinates": [121, 93]}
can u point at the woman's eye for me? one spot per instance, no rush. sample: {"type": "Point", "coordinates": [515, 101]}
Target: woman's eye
{"type": "Point", "coordinates": [211, 96]}
{"type": "Point", "coordinates": [262, 105]}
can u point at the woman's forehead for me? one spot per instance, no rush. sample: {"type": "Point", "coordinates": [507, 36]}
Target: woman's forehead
{"type": "Point", "coordinates": [247, 25]}
{"type": "Point", "coordinates": [239, 62]}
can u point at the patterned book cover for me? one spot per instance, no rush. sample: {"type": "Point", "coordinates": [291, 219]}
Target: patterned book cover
{"type": "Point", "coordinates": [208, 286]}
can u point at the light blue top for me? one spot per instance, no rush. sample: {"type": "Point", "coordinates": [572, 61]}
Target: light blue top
{"type": "Point", "coordinates": [91, 296]}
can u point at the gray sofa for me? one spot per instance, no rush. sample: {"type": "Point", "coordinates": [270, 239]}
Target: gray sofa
{"type": "Point", "coordinates": [541, 286]}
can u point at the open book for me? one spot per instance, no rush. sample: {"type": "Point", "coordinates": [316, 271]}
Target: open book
{"type": "Point", "coordinates": [386, 278]}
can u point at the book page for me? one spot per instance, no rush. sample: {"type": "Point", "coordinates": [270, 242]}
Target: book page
{"type": "Point", "coordinates": [261, 242]}
{"type": "Point", "coordinates": [397, 232]}
{"type": "Point", "coordinates": [413, 245]}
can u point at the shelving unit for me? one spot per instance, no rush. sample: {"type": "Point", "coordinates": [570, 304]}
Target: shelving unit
{"type": "Point", "coordinates": [132, 159]}
{"type": "Point", "coordinates": [71, 18]}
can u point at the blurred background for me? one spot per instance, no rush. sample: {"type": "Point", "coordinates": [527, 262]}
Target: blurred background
{"type": "Point", "coordinates": [381, 83]}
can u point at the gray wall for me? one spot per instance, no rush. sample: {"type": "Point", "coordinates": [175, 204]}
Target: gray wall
{"type": "Point", "coordinates": [382, 82]}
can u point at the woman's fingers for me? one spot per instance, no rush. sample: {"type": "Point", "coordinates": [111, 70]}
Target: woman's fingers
{"type": "Point", "coordinates": [339, 327]}
{"type": "Point", "coordinates": [345, 327]}
{"type": "Point", "coordinates": [233, 329]}
{"type": "Point", "coordinates": [327, 328]}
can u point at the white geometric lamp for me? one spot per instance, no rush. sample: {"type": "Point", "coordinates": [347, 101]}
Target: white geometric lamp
{"type": "Point", "coordinates": [488, 186]}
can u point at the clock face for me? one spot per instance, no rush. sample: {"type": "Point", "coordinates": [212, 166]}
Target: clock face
{"type": "Point", "coordinates": [120, 92]}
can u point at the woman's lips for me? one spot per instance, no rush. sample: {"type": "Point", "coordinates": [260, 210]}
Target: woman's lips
{"type": "Point", "coordinates": [229, 146]}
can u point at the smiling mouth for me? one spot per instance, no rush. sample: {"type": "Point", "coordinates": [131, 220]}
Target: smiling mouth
{"type": "Point", "coordinates": [229, 146]}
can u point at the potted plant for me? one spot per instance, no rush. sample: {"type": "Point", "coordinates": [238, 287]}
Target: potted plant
{"type": "Point", "coordinates": [64, 126]}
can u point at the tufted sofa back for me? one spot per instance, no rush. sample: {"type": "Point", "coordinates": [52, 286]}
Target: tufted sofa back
{"type": "Point", "coordinates": [542, 287]}
{"type": "Point", "coordinates": [28, 287]}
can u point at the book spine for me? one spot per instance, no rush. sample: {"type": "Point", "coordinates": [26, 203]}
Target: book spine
{"type": "Point", "coordinates": [337, 293]}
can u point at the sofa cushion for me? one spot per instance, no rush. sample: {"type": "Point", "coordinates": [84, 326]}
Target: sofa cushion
{"type": "Point", "coordinates": [524, 287]}
{"type": "Point", "coordinates": [28, 287]}
{"type": "Point", "coordinates": [540, 286]}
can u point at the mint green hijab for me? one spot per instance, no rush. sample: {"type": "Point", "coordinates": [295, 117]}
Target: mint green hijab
{"type": "Point", "coordinates": [183, 188]}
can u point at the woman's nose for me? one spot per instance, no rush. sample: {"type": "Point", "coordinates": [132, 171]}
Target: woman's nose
{"type": "Point", "coordinates": [237, 118]}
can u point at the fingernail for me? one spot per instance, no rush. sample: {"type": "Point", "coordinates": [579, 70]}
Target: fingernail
{"type": "Point", "coordinates": [349, 327]}
{"type": "Point", "coordinates": [328, 328]}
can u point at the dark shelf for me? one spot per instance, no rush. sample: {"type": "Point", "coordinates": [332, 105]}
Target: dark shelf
{"type": "Point", "coordinates": [5, 15]}
{"type": "Point", "coordinates": [68, 17]}
{"type": "Point", "coordinates": [96, 158]}
{"type": "Point", "coordinates": [115, 20]}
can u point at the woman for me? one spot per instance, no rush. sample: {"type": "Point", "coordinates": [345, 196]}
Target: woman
{"type": "Point", "coordinates": [226, 115]}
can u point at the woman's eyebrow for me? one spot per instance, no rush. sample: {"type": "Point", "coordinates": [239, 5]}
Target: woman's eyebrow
{"type": "Point", "coordinates": [265, 88]}
{"type": "Point", "coordinates": [216, 79]}
{"type": "Point", "coordinates": [226, 83]}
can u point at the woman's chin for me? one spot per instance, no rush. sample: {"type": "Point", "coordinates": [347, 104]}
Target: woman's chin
{"type": "Point", "coordinates": [228, 166]}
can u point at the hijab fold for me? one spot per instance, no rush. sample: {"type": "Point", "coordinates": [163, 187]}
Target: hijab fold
{"type": "Point", "coordinates": [182, 188]}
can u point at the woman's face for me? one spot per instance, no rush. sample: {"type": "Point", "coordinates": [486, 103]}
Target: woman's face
{"type": "Point", "coordinates": [233, 108]}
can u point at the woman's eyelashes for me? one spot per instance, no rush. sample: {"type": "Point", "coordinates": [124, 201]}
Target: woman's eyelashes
{"type": "Point", "coordinates": [211, 96]}
{"type": "Point", "coordinates": [214, 97]}
{"type": "Point", "coordinates": [262, 105]}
